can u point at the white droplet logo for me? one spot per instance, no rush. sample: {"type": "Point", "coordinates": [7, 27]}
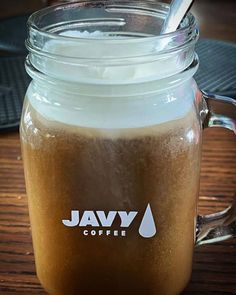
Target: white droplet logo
{"type": "Point", "coordinates": [147, 227]}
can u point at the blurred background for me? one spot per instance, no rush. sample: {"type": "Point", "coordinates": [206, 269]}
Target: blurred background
{"type": "Point", "coordinates": [213, 15]}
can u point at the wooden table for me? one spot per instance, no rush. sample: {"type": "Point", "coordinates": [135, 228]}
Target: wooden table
{"type": "Point", "coordinates": [214, 269]}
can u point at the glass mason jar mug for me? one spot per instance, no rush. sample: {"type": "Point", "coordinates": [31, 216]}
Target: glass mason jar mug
{"type": "Point", "coordinates": [111, 140]}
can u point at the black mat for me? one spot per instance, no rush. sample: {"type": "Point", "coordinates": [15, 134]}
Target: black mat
{"type": "Point", "coordinates": [13, 32]}
{"type": "Point", "coordinates": [217, 73]}
{"type": "Point", "coordinates": [13, 84]}
{"type": "Point", "coordinates": [217, 70]}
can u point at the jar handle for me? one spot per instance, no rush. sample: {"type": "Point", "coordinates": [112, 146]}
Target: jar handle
{"type": "Point", "coordinates": [217, 111]}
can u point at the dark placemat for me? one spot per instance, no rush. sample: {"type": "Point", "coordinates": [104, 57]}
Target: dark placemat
{"type": "Point", "coordinates": [13, 84]}
{"type": "Point", "coordinates": [13, 32]}
{"type": "Point", "coordinates": [217, 71]}
{"type": "Point", "coordinates": [217, 74]}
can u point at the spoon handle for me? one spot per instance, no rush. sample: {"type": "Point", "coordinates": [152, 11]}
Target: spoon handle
{"type": "Point", "coordinates": [178, 9]}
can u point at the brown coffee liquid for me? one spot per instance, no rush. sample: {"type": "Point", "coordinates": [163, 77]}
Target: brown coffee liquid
{"type": "Point", "coordinates": [72, 168]}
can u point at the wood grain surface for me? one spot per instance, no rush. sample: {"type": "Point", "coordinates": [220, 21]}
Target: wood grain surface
{"type": "Point", "coordinates": [214, 269]}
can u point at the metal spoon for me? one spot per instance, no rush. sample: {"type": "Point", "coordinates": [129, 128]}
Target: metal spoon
{"type": "Point", "coordinates": [178, 10]}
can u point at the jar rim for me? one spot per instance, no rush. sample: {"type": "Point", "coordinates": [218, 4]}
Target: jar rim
{"type": "Point", "coordinates": [135, 54]}
{"type": "Point", "coordinates": [188, 30]}
{"type": "Point", "coordinates": [34, 17]}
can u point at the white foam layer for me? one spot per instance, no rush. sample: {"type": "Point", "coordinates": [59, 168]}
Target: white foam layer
{"type": "Point", "coordinates": [107, 112]}
{"type": "Point", "coordinates": [98, 58]}
{"type": "Point", "coordinates": [111, 113]}
{"type": "Point", "coordinates": [83, 34]}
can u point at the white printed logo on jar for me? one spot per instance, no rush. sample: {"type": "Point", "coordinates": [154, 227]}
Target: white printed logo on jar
{"type": "Point", "coordinates": [99, 219]}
